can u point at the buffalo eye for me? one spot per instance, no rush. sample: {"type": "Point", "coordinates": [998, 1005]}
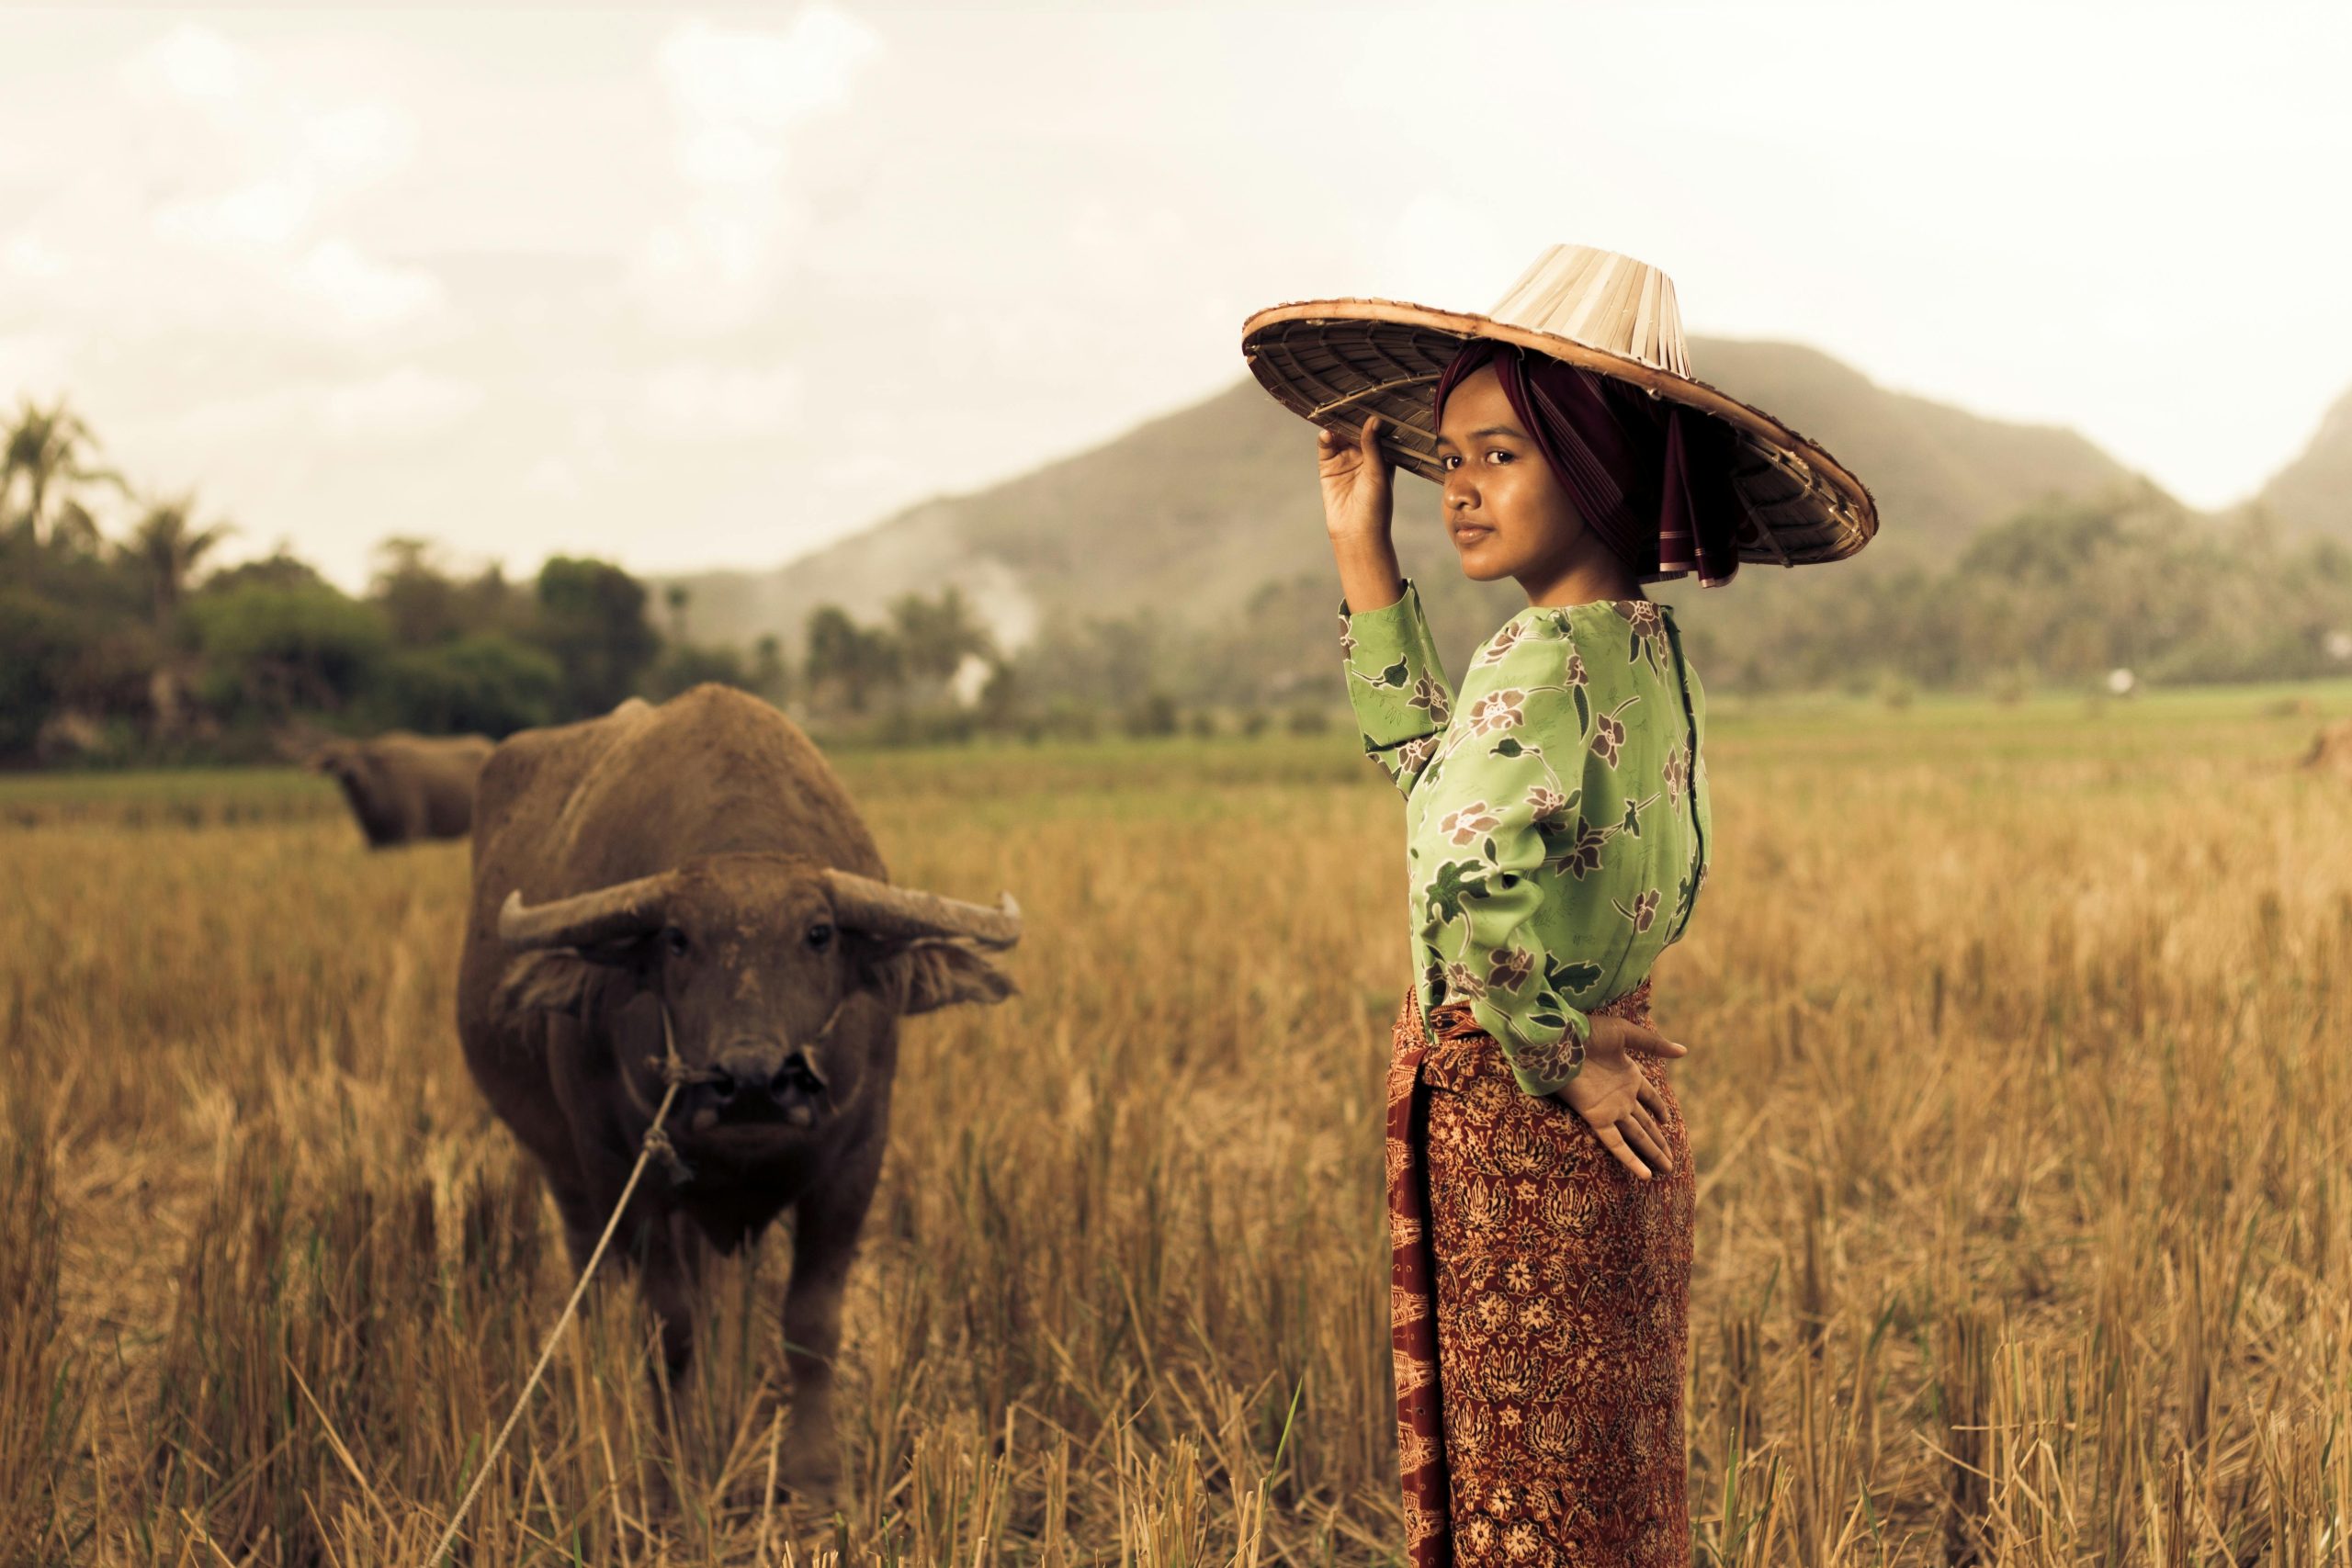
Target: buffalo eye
{"type": "Point", "coordinates": [675, 941]}
{"type": "Point", "coordinates": [821, 936]}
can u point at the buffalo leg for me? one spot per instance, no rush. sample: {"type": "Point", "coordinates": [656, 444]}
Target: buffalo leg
{"type": "Point", "coordinates": [824, 1241]}
{"type": "Point", "coordinates": [583, 1222]}
{"type": "Point", "coordinates": [673, 1276]}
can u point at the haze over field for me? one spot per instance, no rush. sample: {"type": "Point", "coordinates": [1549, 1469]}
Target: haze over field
{"type": "Point", "coordinates": [699, 291]}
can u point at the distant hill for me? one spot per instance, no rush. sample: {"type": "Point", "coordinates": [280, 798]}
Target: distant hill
{"type": "Point", "coordinates": [1939, 473]}
{"type": "Point", "coordinates": [2314, 493]}
{"type": "Point", "coordinates": [1199, 515]}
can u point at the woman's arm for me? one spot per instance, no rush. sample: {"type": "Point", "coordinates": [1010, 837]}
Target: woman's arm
{"type": "Point", "coordinates": [1396, 683]}
{"type": "Point", "coordinates": [1359, 511]}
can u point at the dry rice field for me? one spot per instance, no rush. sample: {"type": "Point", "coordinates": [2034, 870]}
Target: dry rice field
{"type": "Point", "coordinates": [2019, 1082]}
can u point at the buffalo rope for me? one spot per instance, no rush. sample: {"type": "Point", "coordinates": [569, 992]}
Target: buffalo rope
{"type": "Point", "coordinates": [676, 1072]}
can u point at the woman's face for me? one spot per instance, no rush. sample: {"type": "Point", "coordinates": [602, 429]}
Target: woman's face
{"type": "Point", "coordinates": [1504, 507]}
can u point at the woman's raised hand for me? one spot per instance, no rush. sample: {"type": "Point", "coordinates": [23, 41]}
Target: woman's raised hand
{"type": "Point", "coordinates": [1620, 1105]}
{"type": "Point", "coordinates": [1358, 500]}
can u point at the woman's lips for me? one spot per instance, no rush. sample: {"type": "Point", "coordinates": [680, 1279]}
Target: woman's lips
{"type": "Point", "coordinates": [1465, 536]}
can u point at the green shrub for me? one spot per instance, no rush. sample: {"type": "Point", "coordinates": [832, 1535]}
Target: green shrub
{"type": "Point", "coordinates": [487, 684]}
{"type": "Point", "coordinates": [280, 649]}
{"type": "Point", "coordinates": [1153, 714]}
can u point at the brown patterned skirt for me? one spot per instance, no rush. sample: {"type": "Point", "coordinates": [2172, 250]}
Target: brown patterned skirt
{"type": "Point", "coordinates": [1540, 1304]}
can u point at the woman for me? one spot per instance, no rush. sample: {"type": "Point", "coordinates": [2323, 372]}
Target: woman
{"type": "Point", "coordinates": [1557, 823]}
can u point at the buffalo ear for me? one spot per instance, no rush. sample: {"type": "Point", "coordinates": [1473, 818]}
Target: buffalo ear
{"type": "Point", "coordinates": [551, 980]}
{"type": "Point", "coordinates": [938, 974]}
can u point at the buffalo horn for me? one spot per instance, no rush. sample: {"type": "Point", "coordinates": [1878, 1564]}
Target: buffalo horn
{"type": "Point", "coordinates": [883, 911]}
{"type": "Point", "coordinates": [623, 910]}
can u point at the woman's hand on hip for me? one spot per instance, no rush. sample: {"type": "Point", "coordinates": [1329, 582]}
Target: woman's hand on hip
{"type": "Point", "coordinates": [1623, 1109]}
{"type": "Point", "coordinates": [1358, 500]}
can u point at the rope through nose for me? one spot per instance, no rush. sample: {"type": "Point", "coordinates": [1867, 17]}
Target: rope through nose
{"type": "Point", "coordinates": [676, 1070]}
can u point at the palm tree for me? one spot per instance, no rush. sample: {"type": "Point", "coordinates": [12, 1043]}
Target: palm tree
{"type": "Point", "coordinates": [48, 453]}
{"type": "Point", "coordinates": [165, 548]}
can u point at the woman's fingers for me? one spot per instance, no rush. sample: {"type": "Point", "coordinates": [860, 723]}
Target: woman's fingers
{"type": "Point", "coordinates": [1615, 1142]}
{"type": "Point", "coordinates": [1650, 1043]}
{"type": "Point", "coordinates": [1645, 1139]}
{"type": "Point", "coordinates": [1650, 1097]}
{"type": "Point", "coordinates": [1650, 1138]}
{"type": "Point", "coordinates": [1359, 453]}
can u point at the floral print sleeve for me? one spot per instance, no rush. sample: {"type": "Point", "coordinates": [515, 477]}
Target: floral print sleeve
{"type": "Point", "coordinates": [1515, 765]}
{"type": "Point", "coordinates": [1395, 684]}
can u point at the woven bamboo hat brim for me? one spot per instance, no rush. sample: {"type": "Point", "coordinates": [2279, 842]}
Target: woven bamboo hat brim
{"type": "Point", "coordinates": [1334, 361]}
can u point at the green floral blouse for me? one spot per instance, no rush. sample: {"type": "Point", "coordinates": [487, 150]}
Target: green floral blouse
{"type": "Point", "coordinates": [1557, 816]}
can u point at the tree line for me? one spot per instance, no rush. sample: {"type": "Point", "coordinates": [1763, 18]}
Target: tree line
{"type": "Point", "coordinates": [123, 637]}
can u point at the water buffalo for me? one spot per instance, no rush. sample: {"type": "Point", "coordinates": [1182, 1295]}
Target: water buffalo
{"type": "Point", "coordinates": [694, 877]}
{"type": "Point", "coordinates": [405, 787]}
{"type": "Point", "coordinates": [2332, 749]}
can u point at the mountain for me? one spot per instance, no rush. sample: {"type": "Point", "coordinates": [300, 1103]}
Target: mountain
{"type": "Point", "coordinates": [1196, 516]}
{"type": "Point", "coordinates": [2314, 493]}
{"type": "Point", "coordinates": [1939, 473]}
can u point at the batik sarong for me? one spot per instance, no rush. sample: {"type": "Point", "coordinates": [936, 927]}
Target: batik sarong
{"type": "Point", "coordinates": [1540, 1305]}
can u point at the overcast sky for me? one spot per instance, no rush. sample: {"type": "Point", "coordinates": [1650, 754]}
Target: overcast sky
{"type": "Point", "coordinates": [689, 290]}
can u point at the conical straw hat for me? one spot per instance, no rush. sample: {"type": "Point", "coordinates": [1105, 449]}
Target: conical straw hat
{"type": "Point", "coordinates": [1334, 361]}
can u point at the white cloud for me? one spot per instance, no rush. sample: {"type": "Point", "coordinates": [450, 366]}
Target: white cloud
{"type": "Point", "coordinates": [28, 256]}
{"type": "Point", "coordinates": [738, 97]}
{"type": "Point", "coordinates": [1108, 233]}
{"type": "Point", "coordinates": [282, 432]}
{"type": "Point", "coordinates": [702, 403]}
{"type": "Point", "coordinates": [360, 293]}
{"type": "Point", "coordinates": [188, 442]}
{"type": "Point", "coordinates": [262, 216]}
{"type": "Point", "coordinates": [196, 65]}
{"type": "Point", "coordinates": [554, 478]}
{"type": "Point", "coordinates": [32, 364]}
{"type": "Point", "coordinates": [298, 159]}
{"type": "Point", "coordinates": [1442, 251]}
{"type": "Point", "coordinates": [355, 144]}
{"type": "Point", "coordinates": [401, 405]}
{"type": "Point", "coordinates": [260, 168]}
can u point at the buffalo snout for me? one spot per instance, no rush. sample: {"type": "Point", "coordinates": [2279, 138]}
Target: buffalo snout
{"type": "Point", "coordinates": [757, 1081]}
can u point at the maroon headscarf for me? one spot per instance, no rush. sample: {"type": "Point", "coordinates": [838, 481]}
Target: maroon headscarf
{"type": "Point", "coordinates": [1651, 477]}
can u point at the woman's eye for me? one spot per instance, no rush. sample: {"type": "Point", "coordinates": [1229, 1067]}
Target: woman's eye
{"type": "Point", "coordinates": [675, 941]}
{"type": "Point", "coordinates": [1449, 463]}
{"type": "Point", "coordinates": [1498, 455]}
{"type": "Point", "coordinates": [820, 937]}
